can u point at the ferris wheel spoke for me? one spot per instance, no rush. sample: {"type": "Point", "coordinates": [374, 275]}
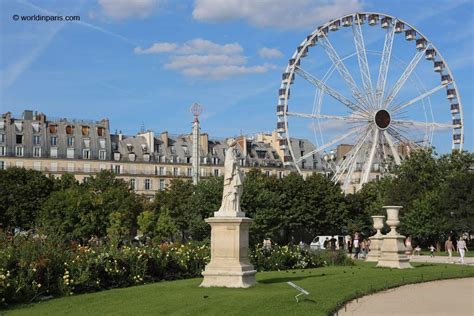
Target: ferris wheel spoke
{"type": "Point", "coordinates": [385, 63]}
{"type": "Point", "coordinates": [404, 77]}
{"type": "Point", "coordinates": [394, 151]}
{"type": "Point", "coordinates": [327, 145]}
{"type": "Point", "coordinates": [363, 63]}
{"type": "Point", "coordinates": [418, 98]}
{"type": "Point", "coordinates": [368, 165]}
{"type": "Point", "coordinates": [342, 70]}
{"type": "Point", "coordinates": [350, 158]}
{"type": "Point", "coordinates": [353, 163]}
{"type": "Point", "coordinates": [333, 93]}
{"type": "Point", "coordinates": [325, 116]}
{"type": "Point", "coordinates": [422, 124]}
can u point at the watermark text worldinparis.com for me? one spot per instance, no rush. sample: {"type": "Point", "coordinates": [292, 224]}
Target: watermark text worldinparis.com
{"type": "Point", "coordinates": [46, 18]}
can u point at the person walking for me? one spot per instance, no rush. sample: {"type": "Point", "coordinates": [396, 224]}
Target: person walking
{"type": "Point", "coordinates": [461, 249]}
{"type": "Point", "coordinates": [432, 249]}
{"type": "Point", "coordinates": [449, 247]}
{"type": "Point", "coordinates": [356, 246]}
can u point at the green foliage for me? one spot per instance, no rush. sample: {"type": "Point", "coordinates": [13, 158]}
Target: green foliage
{"type": "Point", "coordinates": [165, 226]}
{"type": "Point", "coordinates": [22, 192]}
{"type": "Point", "coordinates": [102, 205]}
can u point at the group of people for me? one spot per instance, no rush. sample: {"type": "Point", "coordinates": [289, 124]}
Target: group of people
{"type": "Point", "coordinates": [450, 246]}
{"type": "Point", "coordinates": [361, 246]}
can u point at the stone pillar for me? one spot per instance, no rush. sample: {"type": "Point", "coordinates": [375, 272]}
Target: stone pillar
{"type": "Point", "coordinates": [393, 247]}
{"type": "Point", "coordinates": [229, 265]}
{"type": "Point", "coordinates": [376, 240]}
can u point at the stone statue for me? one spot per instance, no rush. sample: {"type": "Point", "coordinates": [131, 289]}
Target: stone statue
{"type": "Point", "coordinates": [233, 181]}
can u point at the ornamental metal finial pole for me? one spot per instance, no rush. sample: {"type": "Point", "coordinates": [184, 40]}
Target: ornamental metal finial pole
{"type": "Point", "coordinates": [196, 110]}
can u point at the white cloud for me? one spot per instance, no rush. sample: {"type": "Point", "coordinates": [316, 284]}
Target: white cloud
{"type": "Point", "coordinates": [282, 14]}
{"type": "Point", "coordinates": [156, 48]}
{"type": "Point", "coordinates": [120, 9]}
{"type": "Point", "coordinates": [204, 58]}
{"type": "Point", "coordinates": [270, 53]}
{"type": "Point", "coordinates": [180, 62]}
{"type": "Point", "coordinates": [223, 71]}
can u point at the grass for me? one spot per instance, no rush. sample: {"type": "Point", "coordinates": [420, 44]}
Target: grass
{"type": "Point", "coordinates": [329, 288]}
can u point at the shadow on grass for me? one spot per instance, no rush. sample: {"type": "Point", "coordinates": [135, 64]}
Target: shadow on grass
{"type": "Point", "coordinates": [290, 278]}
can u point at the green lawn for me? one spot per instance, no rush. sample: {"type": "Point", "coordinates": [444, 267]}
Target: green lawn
{"type": "Point", "coordinates": [329, 287]}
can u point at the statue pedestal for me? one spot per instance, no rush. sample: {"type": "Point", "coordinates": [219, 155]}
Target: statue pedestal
{"type": "Point", "coordinates": [375, 245]}
{"type": "Point", "coordinates": [393, 253]}
{"type": "Point", "coordinates": [393, 246]}
{"type": "Point", "coordinates": [376, 240]}
{"type": "Point", "coordinates": [229, 265]}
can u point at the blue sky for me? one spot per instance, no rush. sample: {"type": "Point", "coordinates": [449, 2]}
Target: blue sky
{"type": "Point", "coordinates": [145, 62]}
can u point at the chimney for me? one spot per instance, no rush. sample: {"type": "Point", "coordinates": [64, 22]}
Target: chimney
{"type": "Point", "coordinates": [105, 121]}
{"type": "Point", "coordinates": [120, 135]}
{"type": "Point", "coordinates": [204, 142]}
{"type": "Point", "coordinates": [164, 138]}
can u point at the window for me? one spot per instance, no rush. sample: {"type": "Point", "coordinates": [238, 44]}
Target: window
{"type": "Point", "coordinates": [70, 153]}
{"type": "Point", "coordinates": [102, 143]}
{"type": "Point", "coordinates": [280, 174]}
{"type": "Point", "coordinates": [2, 138]}
{"type": "Point", "coordinates": [147, 184]}
{"type": "Point", "coordinates": [70, 141]}
{"type": "Point", "coordinates": [203, 173]}
{"type": "Point", "coordinates": [100, 131]}
{"type": "Point", "coordinates": [242, 162]}
{"type": "Point", "coordinates": [175, 172]}
{"type": "Point", "coordinates": [189, 172]}
{"type": "Point", "coordinates": [19, 139]}
{"type": "Point", "coordinates": [54, 140]}
{"type": "Point", "coordinates": [117, 169]}
{"type": "Point", "coordinates": [162, 171]}
{"type": "Point", "coordinates": [2, 165]}
{"type": "Point", "coordinates": [85, 179]}
{"type": "Point", "coordinates": [188, 159]}
{"type": "Point", "coordinates": [116, 156]}
{"type": "Point", "coordinates": [215, 161]}
{"type": "Point", "coordinates": [132, 184]}
{"type": "Point", "coordinates": [267, 173]}
{"type": "Point", "coordinates": [36, 151]}
{"type": "Point", "coordinates": [36, 139]}
{"type": "Point", "coordinates": [102, 154]}
{"type": "Point", "coordinates": [162, 184]}
{"type": "Point", "coordinates": [54, 166]}
{"type": "Point", "coordinates": [19, 151]}
{"type": "Point", "coordinates": [2, 151]}
{"type": "Point", "coordinates": [69, 129]}
{"type": "Point", "coordinates": [86, 154]}
{"type": "Point", "coordinates": [216, 172]}
{"type": "Point", "coordinates": [54, 152]}
{"type": "Point", "coordinates": [261, 154]}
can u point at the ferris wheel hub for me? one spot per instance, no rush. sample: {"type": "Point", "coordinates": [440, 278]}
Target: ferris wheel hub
{"type": "Point", "coordinates": [382, 119]}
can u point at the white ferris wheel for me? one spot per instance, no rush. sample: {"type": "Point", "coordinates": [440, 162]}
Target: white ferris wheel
{"type": "Point", "coordinates": [373, 89]}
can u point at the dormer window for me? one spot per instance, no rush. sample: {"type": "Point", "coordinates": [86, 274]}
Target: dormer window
{"type": "Point", "coordinates": [85, 130]}
{"type": "Point", "coordinates": [100, 131]}
{"type": "Point", "coordinates": [131, 157]}
{"type": "Point", "coordinates": [129, 148]}
{"type": "Point", "coordinates": [144, 147]}
{"type": "Point", "coordinates": [69, 129]}
{"type": "Point", "coordinates": [53, 128]}
{"type": "Point", "coordinates": [146, 157]}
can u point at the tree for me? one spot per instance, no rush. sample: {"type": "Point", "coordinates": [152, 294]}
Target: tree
{"type": "Point", "coordinates": [22, 192]}
{"type": "Point", "coordinates": [165, 227]}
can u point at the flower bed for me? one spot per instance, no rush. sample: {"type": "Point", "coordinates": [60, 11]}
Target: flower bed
{"type": "Point", "coordinates": [33, 269]}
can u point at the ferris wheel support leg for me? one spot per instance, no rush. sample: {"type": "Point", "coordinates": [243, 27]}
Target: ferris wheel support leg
{"type": "Point", "coordinates": [368, 166]}
{"type": "Point", "coordinates": [396, 157]}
